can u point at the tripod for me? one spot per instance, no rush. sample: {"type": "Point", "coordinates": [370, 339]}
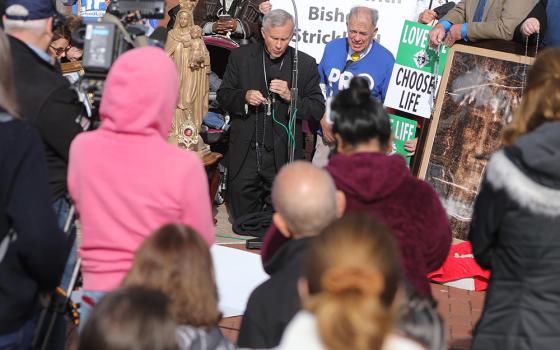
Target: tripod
{"type": "Point", "coordinates": [59, 301]}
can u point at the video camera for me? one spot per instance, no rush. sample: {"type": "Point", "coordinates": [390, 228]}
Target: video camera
{"type": "Point", "coordinates": [120, 30]}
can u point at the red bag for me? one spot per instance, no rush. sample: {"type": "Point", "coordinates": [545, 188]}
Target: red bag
{"type": "Point", "coordinates": [460, 264]}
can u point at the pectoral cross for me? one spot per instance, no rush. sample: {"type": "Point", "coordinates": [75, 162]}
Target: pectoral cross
{"type": "Point", "coordinates": [268, 104]}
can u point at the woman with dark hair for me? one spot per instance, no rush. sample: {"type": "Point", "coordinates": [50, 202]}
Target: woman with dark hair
{"type": "Point", "coordinates": [60, 43]}
{"type": "Point", "coordinates": [177, 261]}
{"type": "Point", "coordinates": [32, 249]}
{"type": "Point", "coordinates": [514, 231]}
{"type": "Point", "coordinates": [130, 318]}
{"type": "Point", "coordinates": [381, 185]}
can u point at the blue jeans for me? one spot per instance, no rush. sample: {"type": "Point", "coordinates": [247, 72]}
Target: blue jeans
{"type": "Point", "coordinates": [20, 339]}
{"type": "Point", "coordinates": [62, 208]}
{"type": "Point", "coordinates": [86, 307]}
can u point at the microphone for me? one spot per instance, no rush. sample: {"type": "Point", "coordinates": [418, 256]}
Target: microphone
{"type": "Point", "coordinates": [274, 74]}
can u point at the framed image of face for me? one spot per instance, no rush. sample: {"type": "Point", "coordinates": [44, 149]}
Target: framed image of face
{"type": "Point", "coordinates": [479, 91]}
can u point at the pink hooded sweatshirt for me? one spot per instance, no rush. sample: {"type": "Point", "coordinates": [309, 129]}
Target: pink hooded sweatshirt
{"type": "Point", "coordinates": [125, 179]}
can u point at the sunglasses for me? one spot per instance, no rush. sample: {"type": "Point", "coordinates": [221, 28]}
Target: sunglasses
{"type": "Point", "coordinates": [60, 50]}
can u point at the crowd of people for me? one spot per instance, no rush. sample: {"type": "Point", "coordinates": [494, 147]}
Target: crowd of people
{"type": "Point", "coordinates": [353, 233]}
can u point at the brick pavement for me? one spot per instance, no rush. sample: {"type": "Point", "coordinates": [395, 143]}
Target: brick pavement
{"type": "Point", "coordinates": [459, 308]}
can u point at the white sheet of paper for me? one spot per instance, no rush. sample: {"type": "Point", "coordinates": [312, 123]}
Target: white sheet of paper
{"type": "Point", "coordinates": [238, 273]}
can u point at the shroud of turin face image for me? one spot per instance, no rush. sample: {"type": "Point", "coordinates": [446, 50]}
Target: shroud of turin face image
{"type": "Point", "coordinates": [480, 96]}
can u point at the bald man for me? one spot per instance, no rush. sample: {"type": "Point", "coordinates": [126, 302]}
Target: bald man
{"type": "Point", "coordinates": [306, 201]}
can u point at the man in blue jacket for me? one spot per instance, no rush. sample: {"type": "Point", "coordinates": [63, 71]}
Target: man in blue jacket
{"type": "Point", "coordinates": [357, 55]}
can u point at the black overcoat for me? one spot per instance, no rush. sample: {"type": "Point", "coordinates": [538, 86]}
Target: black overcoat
{"type": "Point", "coordinates": [245, 72]}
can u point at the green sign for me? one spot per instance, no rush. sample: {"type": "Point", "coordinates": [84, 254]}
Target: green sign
{"type": "Point", "coordinates": [414, 83]}
{"type": "Point", "coordinates": [414, 51]}
{"type": "Point", "coordinates": [403, 130]}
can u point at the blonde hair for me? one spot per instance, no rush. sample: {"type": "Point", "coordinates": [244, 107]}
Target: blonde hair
{"type": "Point", "coordinates": [7, 88]}
{"type": "Point", "coordinates": [176, 261]}
{"type": "Point", "coordinates": [353, 272]}
{"type": "Point", "coordinates": [541, 100]}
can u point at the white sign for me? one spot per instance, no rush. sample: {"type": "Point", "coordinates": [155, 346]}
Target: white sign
{"type": "Point", "coordinates": [238, 273]}
{"type": "Point", "coordinates": [412, 91]}
{"type": "Point", "coordinates": [323, 21]}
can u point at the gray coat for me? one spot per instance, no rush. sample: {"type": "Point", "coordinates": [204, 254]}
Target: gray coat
{"type": "Point", "coordinates": [515, 233]}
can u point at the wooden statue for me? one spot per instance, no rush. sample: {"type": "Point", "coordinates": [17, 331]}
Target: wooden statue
{"type": "Point", "coordinates": [185, 46]}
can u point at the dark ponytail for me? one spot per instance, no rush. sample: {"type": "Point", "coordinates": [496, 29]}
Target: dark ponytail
{"type": "Point", "coordinates": [358, 117]}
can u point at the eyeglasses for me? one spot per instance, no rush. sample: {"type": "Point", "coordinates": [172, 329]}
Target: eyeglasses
{"type": "Point", "coordinates": [60, 50]}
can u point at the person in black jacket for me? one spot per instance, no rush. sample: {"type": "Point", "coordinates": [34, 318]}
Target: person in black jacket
{"type": "Point", "coordinates": [48, 103]}
{"type": "Point", "coordinates": [306, 201]}
{"type": "Point", "coordinates": [32, 248]}
{"type": "Point", "coordinates": [256, 92]}
{"type": "Point", "coordinates": [514, 231]}
{"type": "Point", "coordinates": [44, 95]}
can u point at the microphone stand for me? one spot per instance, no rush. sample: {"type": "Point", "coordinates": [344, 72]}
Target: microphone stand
{"type": "Point", "coordinates": [294, 92]}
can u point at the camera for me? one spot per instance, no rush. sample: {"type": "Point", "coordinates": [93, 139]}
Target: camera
{"type": "Point", "coordinates": [120, 30]}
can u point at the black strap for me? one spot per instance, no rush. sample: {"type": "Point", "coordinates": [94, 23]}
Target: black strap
{"type": "Point", "coordinates": [348, 63]}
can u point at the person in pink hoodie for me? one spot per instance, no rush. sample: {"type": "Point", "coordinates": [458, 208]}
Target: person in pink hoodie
{"type": "Point", "coordinates": [125, 179]}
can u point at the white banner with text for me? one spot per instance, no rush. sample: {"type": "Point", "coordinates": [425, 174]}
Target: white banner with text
{"type": "Point", "coordinates": [323, 21]}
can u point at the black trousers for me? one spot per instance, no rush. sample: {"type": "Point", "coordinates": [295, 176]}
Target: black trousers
{"type": "Point", "coordinates": [249, 191]}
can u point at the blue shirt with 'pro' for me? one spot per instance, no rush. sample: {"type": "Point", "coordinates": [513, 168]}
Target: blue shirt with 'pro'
{"type": "Point", "coordinates": [376, 67]}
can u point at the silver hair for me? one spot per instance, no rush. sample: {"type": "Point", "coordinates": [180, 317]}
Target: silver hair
{"type": "Point", "coordinates": [373, 13]}
{"type": "Point", "coordinates": [36, 26]}
{"type": "Point", "coordinates": [276, 18]}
